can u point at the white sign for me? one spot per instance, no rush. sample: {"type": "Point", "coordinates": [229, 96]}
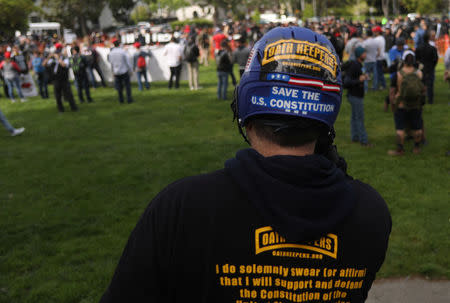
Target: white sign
{"type": "Point", "coordinates": [157, 68]}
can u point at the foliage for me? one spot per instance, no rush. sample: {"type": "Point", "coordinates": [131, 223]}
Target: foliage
{"type": "Point", "coordinates": [73, 14]}
{"type": "Point", "coordinates": [421, 6]}
{"type": "Point", "coordinates": [169, 5]}
{"type": "Point", "coordinates": [198, 22]}
{"type": "Point", "coordinates": [309, 11]}
{"type": "Point", "coordinates": [121, 9]}
{"type": "Point", "coordinates": [140, 12]}
{"type": "Point", "coordinates": [74, 185]}
{"type": "Point", "coordinates": [14, 16]}
{"type": "Point", "coordinates": [360, 9]}
{"type": "Point", "coordinates": [256, 16]}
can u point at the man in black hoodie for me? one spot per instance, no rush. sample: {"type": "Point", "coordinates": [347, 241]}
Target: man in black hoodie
{"type": "Point", "coordinates": [282, 222]}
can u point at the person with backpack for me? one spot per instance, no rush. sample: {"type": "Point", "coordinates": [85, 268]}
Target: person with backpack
{"type": "Point", "coordinates": [354, 83]}
{"type": "Point", "coordinates": [140, 65]}
{"type": "Point", "coordinates": [191, 54]}
{"type": "Point", "coordinates": [408, 104]}
{"type": "Point", "coordinates": [11, 72]}
{"type": "Point", "coordinates": [20, 58]}
{"type": "Point", "coordinates": [224, 68]}
{"type": "Point", "coordinates": [78, 65]}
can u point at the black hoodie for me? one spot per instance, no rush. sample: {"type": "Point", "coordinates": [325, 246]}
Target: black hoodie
{"type": "Point", "coordinates": [275, 229]}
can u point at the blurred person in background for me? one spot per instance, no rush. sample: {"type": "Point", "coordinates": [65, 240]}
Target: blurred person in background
{"type": "Point", "coordinates": [240, 55]}
{"type": "Point", "coordinates": [11, 72]}
{"type": "Point", "coordinates": [224, 68]}
{"type": "Point", "coordinates": [78, 64]}
{"type": "Point", "coordinates": [204, 44]}
{"type": "Point", "coordinates": [41, 74]}
{"type": "Point", "coordinates": [140, 65]}
{"type": "Point", "coordinates": [174, 53]}
{"type": "Point", "coordinates": [354, 81]}
{"type": "Point", "coordinates": [427, 55]}
{"type": "Point", "coordinates": [380, 82]}
{"type": "Point", "coordinates": [58, 65]}
{"type": "Point", "coordinates": [13, 131]}
{"type": "Point", "coordinates": [121, 69]}
{"type": "Point", "coordinates": [371, 50]}
{"type": "Point", "coordinates": [191, 54]}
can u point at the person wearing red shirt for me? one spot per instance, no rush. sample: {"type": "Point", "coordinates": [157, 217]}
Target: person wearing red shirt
{"type": "Point", "coordinates": [11, 74]}
{"type": "Point", "coordinates": [218, 37]}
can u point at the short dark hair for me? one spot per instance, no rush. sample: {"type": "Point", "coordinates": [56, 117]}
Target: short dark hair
{"type": "Point", "coordinates": [410, 60]}
{"type": "Point", "coordinates": [426, 37]}
{"type": "Point", "coordinates": [287, 131]}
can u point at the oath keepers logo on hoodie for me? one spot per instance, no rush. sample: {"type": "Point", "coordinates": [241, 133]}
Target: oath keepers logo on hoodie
{"type": "Point", "coordinates": [266, 239]}
{"type": "Point", "coordinates": [300, 57]}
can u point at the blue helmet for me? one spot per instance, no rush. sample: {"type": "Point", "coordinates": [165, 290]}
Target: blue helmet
{"type": "Point", "coordinates": [290, 71]}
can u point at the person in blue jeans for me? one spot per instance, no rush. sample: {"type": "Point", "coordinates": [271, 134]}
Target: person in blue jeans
{"type": "Point", "coordinates": [224, 68]}
{"type": "Point", "coordinates": [121, 69]}
{"type": "Point", "coordinates": [13, 131]}
{"type": "Point", "coordinates": [39, 70]}
{"type": "Point", "coordinates": [11, 76]}
{"type": "Point", "coordinates": [140, 66]}
{"type": "Point", "coordinates": [354, 82]}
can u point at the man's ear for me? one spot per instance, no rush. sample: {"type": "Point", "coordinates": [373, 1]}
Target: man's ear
{"type": "Point", "coordinates": [249, 131]}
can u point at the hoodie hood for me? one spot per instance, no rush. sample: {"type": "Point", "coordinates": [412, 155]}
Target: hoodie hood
{"type": "Point", "coordinates": [302, 198]}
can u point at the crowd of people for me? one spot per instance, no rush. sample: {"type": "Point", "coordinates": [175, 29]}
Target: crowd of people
{"type": "Point", "coordinates": [402, 48]}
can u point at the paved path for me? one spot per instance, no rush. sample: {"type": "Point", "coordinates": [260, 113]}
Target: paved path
{"type": "Point", "coordinates": [409, 290]}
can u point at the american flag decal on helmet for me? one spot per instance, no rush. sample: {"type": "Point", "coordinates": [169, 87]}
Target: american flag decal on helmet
{"type": "Point", "coordinates": [303, 82]}
{"type": "Point", "coordinates": [250, 58]}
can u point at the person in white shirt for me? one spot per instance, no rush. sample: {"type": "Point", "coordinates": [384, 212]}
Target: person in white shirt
{"type": "Point", "coordinates": [352, 44]}
{"type": "Point", "coordinates": [174, 52]}
{"type": "Point", "coordinates": [371, 47]}
{"type": "Point", "coordinates": [379, 81]}
{"type": "Point", "coordinates": [121, 69]}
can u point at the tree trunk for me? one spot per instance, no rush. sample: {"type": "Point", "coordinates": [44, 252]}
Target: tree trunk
{"type": "Point", "coordinates": [314, 4]}
{"type": "Point", "coordinates": [303, 5]}
{"type": "Point", "coordinates": [385, 7]}
{"type": "Point", "coordinates": [83, 25]}
{"type": "Point", "coordinates": [395, 9]}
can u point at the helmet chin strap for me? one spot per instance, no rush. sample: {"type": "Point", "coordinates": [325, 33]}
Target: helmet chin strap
{"type": "Point", "coordinates": [235, 108]}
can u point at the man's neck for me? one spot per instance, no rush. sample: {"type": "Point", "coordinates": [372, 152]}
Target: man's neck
{"type": "Point", "coordinates": [268, 149]}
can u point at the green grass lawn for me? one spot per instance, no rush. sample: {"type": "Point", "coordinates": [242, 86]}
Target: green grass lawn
{"type": "Point", "coordinates": [73, 186]}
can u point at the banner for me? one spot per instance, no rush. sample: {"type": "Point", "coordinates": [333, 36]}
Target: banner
{"type": "Point", "coordinates": [157, 68]}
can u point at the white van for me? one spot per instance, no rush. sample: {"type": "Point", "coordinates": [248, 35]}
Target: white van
{"type": "Point", "coordinates": [45, 27]}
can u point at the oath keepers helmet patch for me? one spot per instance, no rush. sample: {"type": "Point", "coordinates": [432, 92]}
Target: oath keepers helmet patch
{"type": "Point", "coordinates": [292, 56]}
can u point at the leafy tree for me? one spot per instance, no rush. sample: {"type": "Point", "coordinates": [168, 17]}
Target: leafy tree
{"type": "Point", "coordinates": [14, 17]}
{"type": "Point", "coordinates": [166, 4]}
{"type": "Point", "coordinates": [74, 14]}
{"type": "Point", "coordinates": [421, 6]}
{"type": "Point", "coordinates": [140, 13]}
{"type": "Point", "coordinates": [121, 9]}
